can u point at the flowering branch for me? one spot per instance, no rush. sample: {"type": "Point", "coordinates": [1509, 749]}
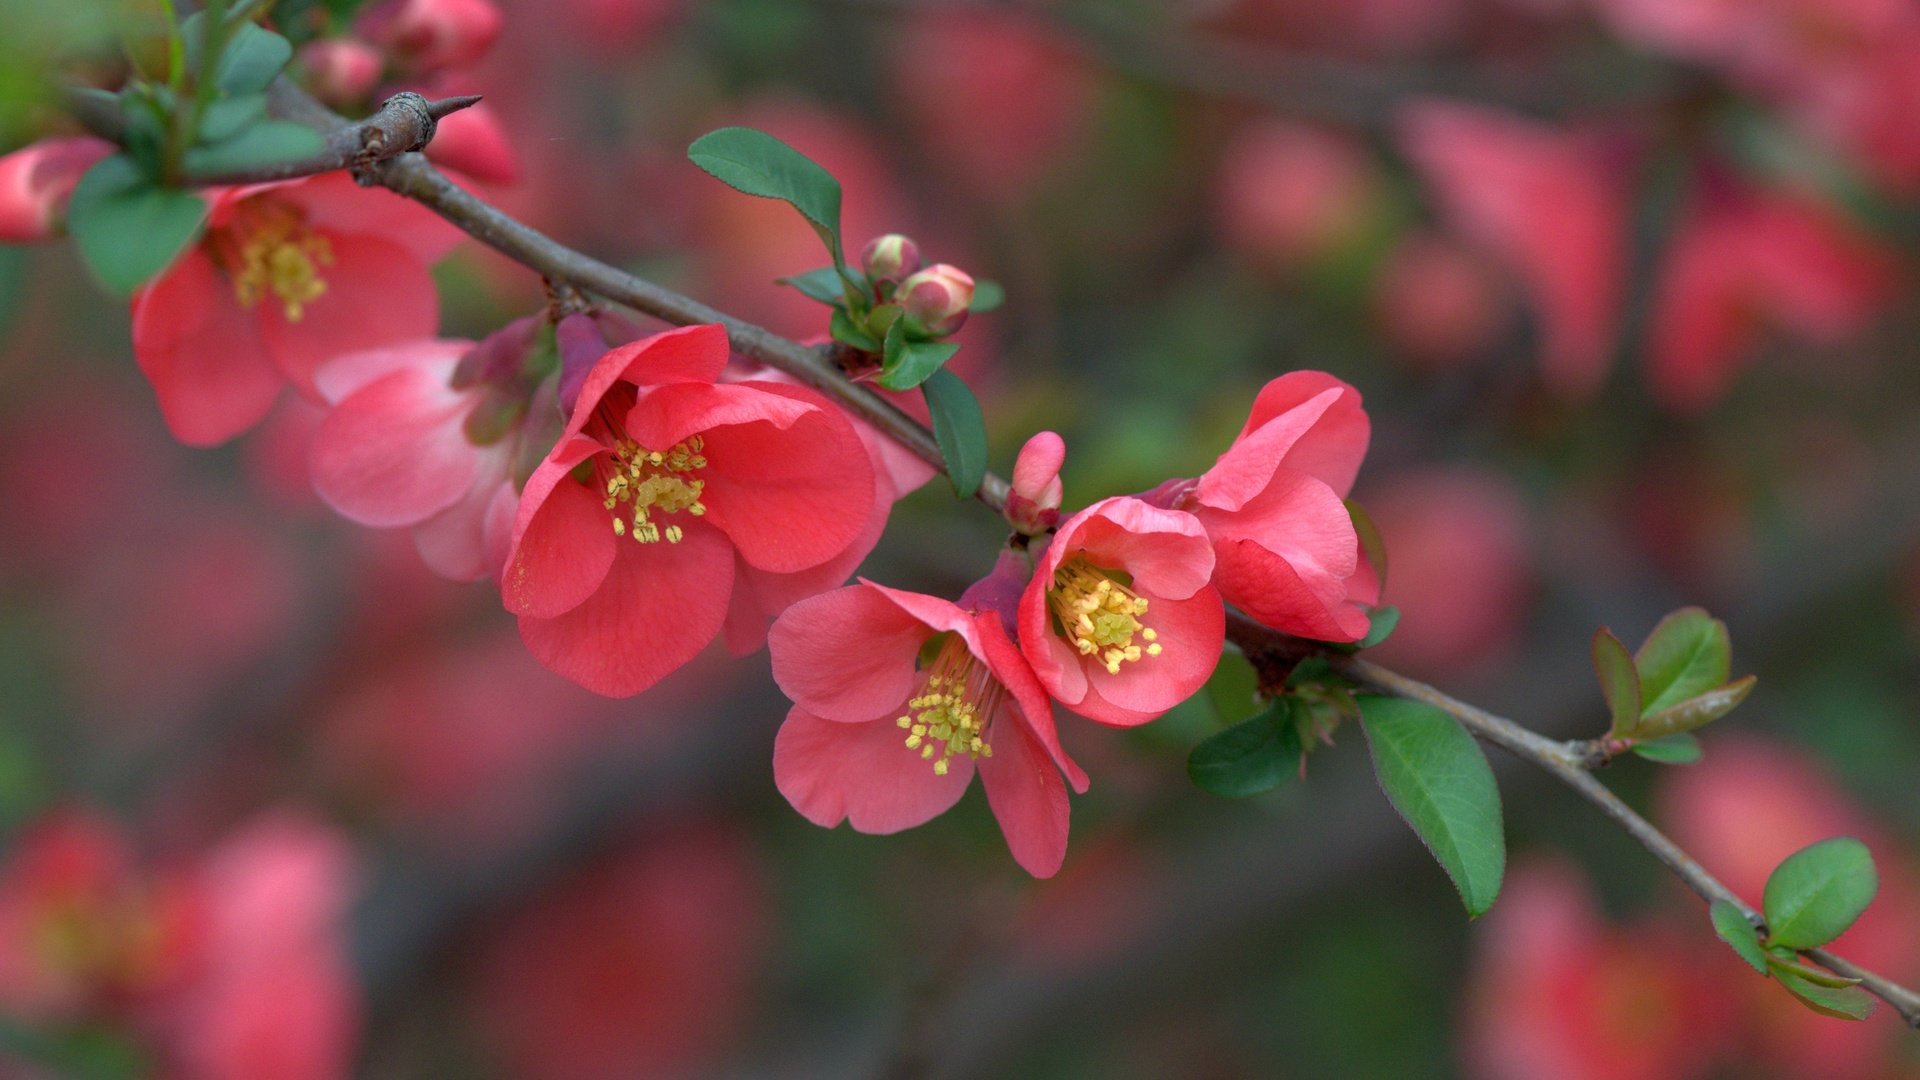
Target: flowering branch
{"type": "Point", "coordinates": [376, 150]}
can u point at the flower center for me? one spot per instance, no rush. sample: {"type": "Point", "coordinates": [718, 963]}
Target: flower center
{"type": "Point", "coordinates": [269, 249]}
{"type": "Point", "coordinates": [1099, 616]}
{"type": "Point", "coordinates": [948, 716]}
{"type": "Point", "coordinates": [640, 483]}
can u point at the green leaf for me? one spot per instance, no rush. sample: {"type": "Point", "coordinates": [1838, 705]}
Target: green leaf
{"type": "Point", "coordinates": [959, 429]}
{"type": "Point", "coordinates": [1735, 930]}
{"type": "Point", "coordinates": [1695, 712]}
{"type": "Point", "coordinates": [253, 56]}
{"type": "Point", "coordinates": [1845, 1003]}
{"type": "Point", "coordinates": [987, 295]}
{"type": "Point", "coordinates": [1687, 655]}
{"type": "Point", "coordinates": [917, 360]}
{"type": "Point", "coordinates": [756, 163]}
{"type": "Point", "coordinates": [1619, 683]}
{"type": "Point", "coordinates": [1371, 545]}
{"type": "Point", "coordinates": [128, 228]}
{"type": "Point", "coordinates": [823, 285]}
{"type": "Point", "coordinates": [270, 142]}
{"type": "Point", "coordinates": [1814, 975]}
{"type": "Point", "coordinates": [230, 116]}
{"type": "Point", "coordinates": [843, 329]}
{"type": "Point", "coordinates": [1673, 750]}
{"type": "Point", "coordinates": [1817, 892]}
{"type": "Point", "coordinates": [1381, 626]}
{"type": "Point", "coordinates": [893, 340]}
{"type": "Point", "coordinates": [1437, 778]}
{"type": "Point", "coordinates": [1251, 757]}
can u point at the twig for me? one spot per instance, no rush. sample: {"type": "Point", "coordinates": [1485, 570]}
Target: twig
{"type": "Point", "coordinates": [412, 176]}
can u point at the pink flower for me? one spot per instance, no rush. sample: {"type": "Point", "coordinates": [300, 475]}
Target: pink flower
{"type": "Point", "coordinates": [288, 276]}
{"type": "Point", "coordinates": [1438, 304]}
{"type": "Point", "coordinates": [1290, 194]}
{"type": "Point", "coordinates": [1033, 500]}
{"type": "Point", "coordinates": [1542, 201]}
{"type": "Point", "coordinates": [341, 71]}
{"type": "Point", "coordinates": [1285, 548]}
{"type": "Point", "coordinates": [898, 699]}
{"type": "Point", "coordinates": [623, 576]}
{"type": "Point", "coordinates": [36, 181]}
{"type": "Point", "coordinates": [1119, 622]}
{"type": "Point", "coordinates": [427, 36]}
{"type": "Point", "coordinates": [935, 301]}
{"type": "Point", "coordinates": [399, 450]}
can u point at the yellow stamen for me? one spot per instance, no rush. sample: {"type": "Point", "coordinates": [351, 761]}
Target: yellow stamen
{"type": "Point", "coordinates": [640, 483]}
{"type": "Point", "coordinates": [1099, 616]}
{"type": "Point", "coordinates": [948, 716]}
{"type": "Point", "coordinates": [268, 248]}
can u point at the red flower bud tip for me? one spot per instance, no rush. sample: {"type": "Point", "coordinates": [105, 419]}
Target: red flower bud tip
{"type": "Point", "coordinates": [1033, 505]}
{"type": "Point", "coordinates": [936, 299]}
{"type": "Point", "coordinates": [36, 182]}
{"type": "Point", "coordinates": [341, 71]}
{"type": "Point", "coordinates": [889, 258]}
{"type": "Point", "coordinates": [432, 35]}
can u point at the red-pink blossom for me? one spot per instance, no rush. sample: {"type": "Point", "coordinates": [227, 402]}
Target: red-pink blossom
{"type": "Point", "coordinates": [889, 724]}
{"type": "Point", "coordinates": [398, 450]}
{"type": "Point", "coordinates": [623, 576]}
{"type": "Point", "coordinates": [1033, 499]}
{"type": "Point", "coordinates": [288, 276]}
{"type": "Point", "coordinates": [36, 181]}
{"type": "Point", "coordinates": [341, 71]}
{"type": "Point", "coordinates": [1285, 549]}
{"type": "Point", "coordinates": [425, 36]}
{"type": "Point", "coordinates": [1438, 304]}
{"type": "Point", "coordinates": [1119, 621]}
{"type": "Point", "coordinates": [1544, 202]}
{"type": "Point", "coordinates": [1289, 194]}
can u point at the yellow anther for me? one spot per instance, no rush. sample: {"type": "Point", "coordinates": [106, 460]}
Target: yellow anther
{"type": "Point", "coordinates": [268, 248]}
{"type": "Point", "coordinates": [1099, 616]}
{"type": "Point", "coordinates": [642, 482]}
{"type": "Point", "coordinates": [948, 715]}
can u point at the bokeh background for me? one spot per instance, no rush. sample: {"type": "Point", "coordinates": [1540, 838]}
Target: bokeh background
{"type": "Point", "coordinates": [1628, 287]}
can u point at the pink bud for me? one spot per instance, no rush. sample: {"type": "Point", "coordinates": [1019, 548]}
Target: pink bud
{"type": "Point", "coordinates": [341, 71]}
{"type": "Point", "coordinates": [936, 299]}
{"type": "Point", "coordinates": [36, 182]}
{"type": "Point", "coordinates": [432, 35]}
{"type": "Point", "coordinates": [889, 258]}
{"type": "Point", "coordinates": [1033, 505]}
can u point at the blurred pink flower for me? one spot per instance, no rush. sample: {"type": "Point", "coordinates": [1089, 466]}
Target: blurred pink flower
{"type": "Point", "coordinates": [1544, 202]}
{"type": "Point", "coordinates": [37, 180]}
{"type": "Point", "coordinates": [1438, 304]}
{"type": "Point", "coordinates": [1119, 622]}
{"type": "Point", "coordinates": [425, 36]}
{"type": "Point", "coordinates": [289, 276]}
{"type": "Point", "coordinates": [1289, 194]}
{"type": "Point", "coordinates": [887, 740]}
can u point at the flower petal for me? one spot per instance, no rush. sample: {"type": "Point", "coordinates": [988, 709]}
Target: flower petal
{"type": "Point", "coordinates": [1249, 464]}
{"type": "Point", "coordinates": [1034, 708]}
{"type": "Point", "coordinates": [659, 605]}
{"type": "Point", "coordinates": [1333, 447]}
{"type": "Point", "coordinates": [847, 655]}
{"type": "Point", "coordinates": [1028, 799]}
{"type": "Point", "coordinates": [394, 453]}
{"type": "Point", "coordinates": [1191, 632]}
{"type": "Point", "coordinates": [1165, 551]}
{"type": "Point", "coordinates": [336, 204]}
{"type": "Point", "coordinates": [862, 773]}
{"type": "Point", "coordinates": [338, 378]}
{"type": "Point", "coordinates": [203, 353]}
{"type": "Point", "coordinates": [563, 541]}
{"type": "Point", "coordinates": [377, 294]}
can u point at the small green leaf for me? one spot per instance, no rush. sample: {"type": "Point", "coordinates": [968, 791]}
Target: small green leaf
{"type": "Point", "coordinates": [1436, 777]}
{"type": "Point", "coordinates": [893, 341]}
{"type": "Point", "coordinates": [128, 228]}
{"type": "Point", "coordinates": [1845, 1003]}
{"type": "Point", "coordinates": [1251, 757]}
{"type": "Point", "coordinates": [959, 428]}
{"type": "Point", "coordinates": [1619, 683]}
{"type": "Point", "coordinates": [1814, 975]}
{"type": "Point", "coordinates": [1371, 545]}
{"type": "Point", "coordinates": [1735, 930]}
{"type": "Point", "coordinates": [251, 59]}
{"type": "Point", "coordinates": [1673, 750]}
{"type": "Point", "coordinates": [1381, 626]}
{"type": "Point", "coordinates": [823, 285]}
{"type": "Point", "coordinates": [230, 116]}
{"type": "Point", "coordinates": [756, 163]}
{"type": "Point", "coordinates": [1817, 892]}
{"type": "Point", "coordinates": [1695, 712]}
{"type": "Point", "coordinates": [1687, 655]}
{"type": "Point", "coordinates": [987, 295]}
{"type": "Point", "coordinates": [271, 142]}
{"type": "Point", "coordinates": [843, 329]}
{"type": "Point", "coordinates": [916, 361]}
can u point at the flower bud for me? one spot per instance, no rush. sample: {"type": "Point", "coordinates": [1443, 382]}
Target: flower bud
{"type": "Point", "coordinates": [35, 183]}
{"type": "Point", "coordinates": [432, 35]}
{"type": "Point", "coordinates": [1033, 501]}
{"type": "Point", "coordinates": [341, 71]}
{"type": "Point", "coordinates": [889, 258]}
{"type": "Point", "coordinates": [936, 299]}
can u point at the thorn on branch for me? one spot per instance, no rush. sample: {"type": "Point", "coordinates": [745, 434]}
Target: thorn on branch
{"type": "Point", "coordinates": [405, 122]}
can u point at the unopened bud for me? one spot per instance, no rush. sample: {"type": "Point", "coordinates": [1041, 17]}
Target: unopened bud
{"type": "Point", "coordinates": [936, 299]}
{"type": "Point", "coordinates": [341, 71]}
{"type": "Point", "coordinates": [889, 258]}
{"type": "Point", "coordinates": [1033, 499]}
{"type": "Point", "coordinates": [432, 35]}
{"type": "Point", "coordinates": [35, 183]}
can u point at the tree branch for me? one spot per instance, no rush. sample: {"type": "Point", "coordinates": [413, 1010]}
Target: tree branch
{"type": "Point", "coordinates": [411, 175]}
